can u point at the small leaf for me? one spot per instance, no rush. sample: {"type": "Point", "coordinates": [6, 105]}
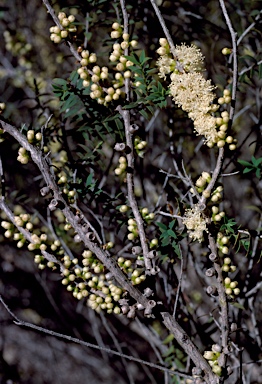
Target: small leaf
{"type": "Point", "coordinates": [246, 170]}
{"type": "Point", "coordinates": [168, 339]}
{"type": "Point", "coordinates": [144, 114]}
{"type": "Point", "coordinates": [239, 306]}
{"type": "Point", "coordinates": [161, 225]}
{"type": "Point", "coordinates": [243, 162]}
{"type": "Point", "coordinates": [133, 59]}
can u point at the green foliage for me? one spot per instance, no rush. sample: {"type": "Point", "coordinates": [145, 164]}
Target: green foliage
{"type": "Point", "coordinates": [75, 103]}
{"type": "Point", "coordinates": [168, 240]}
{"type": "Point", "coordinates": [150, 93]}
{"type": "Point", "coordinates": [238, 238]}
{"type": "Point", "coordinates": [254, 166]}
{"type": "Point", "coordinates": [174, 357]}
{"type": "Point", "coordinates": [229, 226]}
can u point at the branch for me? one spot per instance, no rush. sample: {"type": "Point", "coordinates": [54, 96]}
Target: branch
{"type": "Point", "coordinates": [130, 162]}
{"type": "Point", "coordinates": [215, 174]}
{"type": "Point", "coordinates": [20, 322]}
{"type": "Point", "coordinates": [192, 351]}
{"type": "Point", "coordinates": [222, 302]}
{"type": "Point", "coordinates": [106, 258]}
{"type": "Point", "coordinates": [235, 65]}
{"type": "Point", "coordinates": [57, 22]}
{"type": "Point", "coordinates": [102, 255]}
{"type": "Point", "coordinates": [165, 29]}
{"type": "Point", "coordinates": [27, 235]}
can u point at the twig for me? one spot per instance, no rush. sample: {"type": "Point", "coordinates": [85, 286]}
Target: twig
{"type": "Point", "coordinates": [215, 174]}
{"type": "Point", "coordinates": [2, 179]}
{"type": "Point", "coordinates": [246, 31]}
{"type": "Point", "coordinates": [88, 223]}
{"type": "Point", "coordinates": [248, 69]}
{"type": "Point", "coordinates": [27, 235]}
{"type": "Point", "coordinates": [56, 20]}
{"type": "Point", "coordinates": [165, 29]}
{"type": "Point", "coordinates": [118, 347]}
{"type": "Point", "coordinates": [179, 282]}
{"type": "Point", "coordinates": [130, 162]}
{"type": "Point", "coordinates": [221, 297]}
{"type": "Point", "coordinates": [87, 27]}
{"type": "Point", "coordinates": [162, 190]}
{"type": "Point", "coordinates": [185, 180]}
{"type": "Point", "coordinates": [190, 348]}
{"type": "Point", "coordinates": [20, 322]}
{"type": "Point", "coordinates": [235, 65]}
{"type": "Point", "coordinates": [169, 215]}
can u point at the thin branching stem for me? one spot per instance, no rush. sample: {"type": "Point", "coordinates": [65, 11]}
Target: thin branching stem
{"type": "Point", "coordinates": [75, 340]}
{"type": "Point", "coordinates": [165, 29]}
{"type": "Point", "coordinates": [130, 159]}
{"type": "Point", "coordinates": [105, 257]}
{"type": "Point", "coordinates": [57, 22]}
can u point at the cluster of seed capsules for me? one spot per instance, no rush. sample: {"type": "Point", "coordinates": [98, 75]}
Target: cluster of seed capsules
{"type": "Point", "coordinates": [23, 157]}
{"type": "Point", "coordinates": [222, 124]}
{"type": "Point", "coordinates": [20, 48]}
{"type": "Point", "coordinates": [85, 278]}
{"type": "Point", "coordinates": [56, 33]}
{"type": "Point", "coordinates": [213, 358]}
{"type": "Point", "coordinates": [33, 138]}
{"type": "Point", "coordinates": [103, 89]}
{"type": "Point", "coordinates": [140, 147]}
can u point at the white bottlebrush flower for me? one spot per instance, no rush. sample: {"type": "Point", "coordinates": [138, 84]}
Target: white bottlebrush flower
{"type": "Point", "coordinates": [195, 222]}
{"type": "Point", "coordinates": [166, 65]}
{"type": "Point", "coordinates": [190, 90]}
{"type": "Point", "coordinates": [190, 57]}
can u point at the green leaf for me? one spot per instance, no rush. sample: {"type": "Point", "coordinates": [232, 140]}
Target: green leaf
{"type": "Point", "coordinates": [255, 161]}
{"type": "Point", "coordinates": [59, 82]}
{"type": "Point", "coordinates": [171, 233]}
{"type": "Point", "coordinates": [161, 225]}
{"type": "Point", "coordinates": [131, 105]}
{"type": "Point", "coordinates": [119, 124]}
{"type": "Point", "coordinates": [243, 162]}
{"type": "Point", "coordinates": [239, 306]}
{"type": "Point", "coordinates": [133, 59]}
{"type": "Point", "coordinates": [137, 70]}
{"type": "Point", "coordinates": [170, 351]}
{"type": "Point", "coordinates": [248, 57]}
{"type": "Point", "coordinates": [168, 339]}
{"type": "Point", "coordinates": [144, 114]}
{"type": "Point", "coordinates": [89, 180]}
{"type": "Point", "coordinates": [246, 170]}
{"type": "Point", "coordinates": [253, 208]}
{"type": "Point", "coordinates": [88, 36]}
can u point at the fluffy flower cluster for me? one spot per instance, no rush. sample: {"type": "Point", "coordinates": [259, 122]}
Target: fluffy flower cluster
{"type": "Point", "coordinates": [190, 90]}
{"type": "Point", "coordinates": [190, 57]}
{"type": "Point", "coordinates": [165, 64]}
{"type": "Point", "coordinates": [195, 222]}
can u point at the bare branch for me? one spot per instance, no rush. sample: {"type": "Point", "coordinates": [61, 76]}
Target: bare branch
{"type": "Point", "coordinates": [165, 29]}
{"type": "Point", "coordinates": [22, 323]}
